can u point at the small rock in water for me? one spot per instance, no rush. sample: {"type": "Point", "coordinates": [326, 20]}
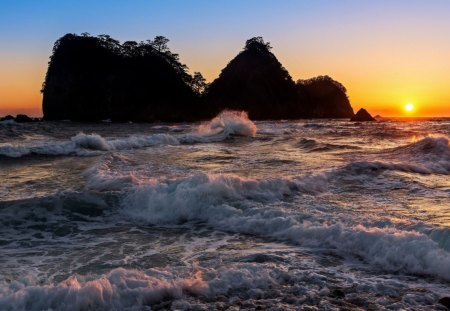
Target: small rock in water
{"type": "Point", "coordinates": [21, 118]}
{"type": "Point", "coordinates": [338, 293]}
{"type": "Point", "coordinates": [445, 301]}
{"type": "Point", "coordinates": [362, 115]}
{"type": "Point", "coordinates": [8, 117]}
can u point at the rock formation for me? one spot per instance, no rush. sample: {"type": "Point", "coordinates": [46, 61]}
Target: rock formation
{"type": "Point", "coordinates": [256, 82]}
{"type": "Point", "coordinates": [362, 115]}
{"type": "Point", "coordinates": [96, 78]}
{"type": "Point", "coordinates": [323, 97]}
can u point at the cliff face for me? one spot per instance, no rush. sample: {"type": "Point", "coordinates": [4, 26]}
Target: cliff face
{"type": "Point", "coordinates": [324, 97]}
{"type": "Point", "coordinates": [94, 78]}
{"type": "Point", "coordinates": [75, 86]}
{"type": "Point", "coordinates": [256, 82]}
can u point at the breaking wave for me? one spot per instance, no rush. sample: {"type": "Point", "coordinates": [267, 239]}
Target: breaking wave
{"type": "Point", "coordinates": [222, 127]}
{"type": "Point", "coordinates": [430, 155]}
{"type": "Point", "coordinates": [118, 290]}
{"type": "Point", "coordinates": [228, 123]}
{"type": "Point", "coordinates": [242, 205]}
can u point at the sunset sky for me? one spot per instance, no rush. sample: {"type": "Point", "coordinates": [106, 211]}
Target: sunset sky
{"type": "Point", "coordinates": [386, 53]}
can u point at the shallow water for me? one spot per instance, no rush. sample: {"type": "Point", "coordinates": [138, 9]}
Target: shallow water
{"type": "Point", "coordinates": [294, 214]}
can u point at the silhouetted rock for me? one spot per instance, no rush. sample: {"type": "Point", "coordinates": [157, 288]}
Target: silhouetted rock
{"type": "Point", "coordinates": [256, 82]}
{"type": "Point", "coordinates": [445, 301]}
{"type": "Point", "coordinates": [97, 78]}
{"type": "Point", "coordinates": [362, 115]}
{"type": "Point", "coordinates": [323, 97]}
{"type": "Point", "coordinates": [7, 117]}
{"type": "Point", "coordinates": [23, 118]}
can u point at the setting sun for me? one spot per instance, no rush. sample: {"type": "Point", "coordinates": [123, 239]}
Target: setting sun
{"type": "Point", "coordinates": [409, 107]}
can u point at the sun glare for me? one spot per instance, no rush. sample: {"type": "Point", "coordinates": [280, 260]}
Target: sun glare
{"type": "Point", "coordinates": [409, 107]}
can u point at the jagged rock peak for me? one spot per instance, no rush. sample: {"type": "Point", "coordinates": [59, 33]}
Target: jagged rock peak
{"type": "Point", "coordinates": [362, 115]}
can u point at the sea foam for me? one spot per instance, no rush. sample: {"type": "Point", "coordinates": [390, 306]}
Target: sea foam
{"type": "Point", "coordinates": [430, 155]}
{"type": "Point", "coordinates": [120, 289]}
{"type": "Point", "coordinates": [228, 123]}
{"type": "Point", "coordinates": [243, 206]}
{"type": "Point", "coordinates": [222, 127]}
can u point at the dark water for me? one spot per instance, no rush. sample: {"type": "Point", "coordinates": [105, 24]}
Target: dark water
{"type": "Point", "coordinates": [327, 214]}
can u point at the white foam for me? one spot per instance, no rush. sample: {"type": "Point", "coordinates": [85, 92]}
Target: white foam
{"type": "Point", "coordinates": [103, 177]}
{"type": "Point", "coordinates": [228, 123]}
{"type": "Point", "coordinates": [10, 121]}
{"type": "Point", "coordinates": [91, 141]}
{"type": "Point", "coordinates": [243, 205]}
{"type": "Point", "coordinates": [120, 289]}
{"type": "Point", "coordinates": [225, 125]}
{"type": "Point", "coordinates": [430, 155]}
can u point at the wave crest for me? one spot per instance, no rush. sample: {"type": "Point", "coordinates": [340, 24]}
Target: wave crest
{"type": "Point", "coordinates": [430, 155]}
{"type": "Point", "coordinates": [228, 123]}
{"type": "Point", "coordinates": [222, 127]}
{"type": "Point", "coordinates": [120, 289]}
{"type": "Point", "coordinates": [242, 205]}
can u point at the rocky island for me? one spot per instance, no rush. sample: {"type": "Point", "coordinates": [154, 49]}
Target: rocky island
{"type": "Point", "coordinates": [95, 78]}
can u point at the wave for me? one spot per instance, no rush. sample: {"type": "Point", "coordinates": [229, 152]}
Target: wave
{"type": "Point", "coordinates": [242, 205]}
{"type": "Point", "coordinates": [312, 145]}
{"type": "Point", "coordinates": [85, 145]}
{"type": "Point", "coordinates": [227, 124]}
{"type": "Point", "coordinates": [430, 155]}
{"type": "Point", "coordinates": [222, 127]}
{"type": "Point", "coordinates": [250, 285]}
{"type": "Point", "coordinates": [428, 147]}
{"type": "Point", "coordinates": [120, 289]}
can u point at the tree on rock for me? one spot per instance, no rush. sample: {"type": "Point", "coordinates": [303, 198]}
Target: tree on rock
{"type": "Point", "coordinates": [254, 81]}
{"type": "Point", "coordinates": [93, 78]}
{"type": "Point", "coordinates": [323, 97]}
{"type": "Point", "coordinates": [198, 83]}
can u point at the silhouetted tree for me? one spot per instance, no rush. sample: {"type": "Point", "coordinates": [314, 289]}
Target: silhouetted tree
{"type": "Point", "coordinates": [257, 43]}
{"type": "Point", "coordinates": [323, 97]}
{"type": "Point", "coordinates": [198, 83]}
{"type": "Point", "coordinates": [160, 44]}
{"type": "Point", "coordinates": [130, 48]}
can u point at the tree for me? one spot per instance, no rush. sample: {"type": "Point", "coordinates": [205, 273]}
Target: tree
{"type": "Point", "coordinates": [130, 48]}
{"type": "Point", "coordinates": [198, 83]}
{"type": "Point", "coordinates": [257, 43]}
{"type": "Point", "coordinates": [160, 44]}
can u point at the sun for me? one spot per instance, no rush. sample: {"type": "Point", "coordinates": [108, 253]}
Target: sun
{"type": "Point", "coordinates": [409, 107]}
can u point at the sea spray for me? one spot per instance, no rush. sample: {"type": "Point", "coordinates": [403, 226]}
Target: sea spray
{"type": "Point", "coordinates": [222, 127]}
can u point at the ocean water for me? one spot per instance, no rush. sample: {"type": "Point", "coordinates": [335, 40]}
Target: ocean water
{"type": "Point", "coordinates": [227, 214]}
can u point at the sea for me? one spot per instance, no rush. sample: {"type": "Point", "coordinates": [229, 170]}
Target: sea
{"type": "Point", "coordinates": [228, 214]}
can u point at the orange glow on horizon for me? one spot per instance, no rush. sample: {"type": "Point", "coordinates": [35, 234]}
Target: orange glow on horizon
{"type": "Point", "coordinates": [378, 91]}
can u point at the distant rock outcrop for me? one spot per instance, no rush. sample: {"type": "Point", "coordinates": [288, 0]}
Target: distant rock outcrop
{"type": "Point", "coordinates": [23, 118]}
{"type": "Point", "coordinates": [20, 118]}
{"type": "Point", "coordinates": [7, 118]}
{"type": "Point", "coordinates": [97, 78]}
{"type": "Point", "coordinates": [445, 301]}
{"type": "Point", "coordinates": [323, 97]}
{"type": "Point", "coordinates": [362, 115]}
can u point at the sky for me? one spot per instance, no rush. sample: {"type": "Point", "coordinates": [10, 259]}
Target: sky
{"type": "Point", "coordinates": [386, 53]}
